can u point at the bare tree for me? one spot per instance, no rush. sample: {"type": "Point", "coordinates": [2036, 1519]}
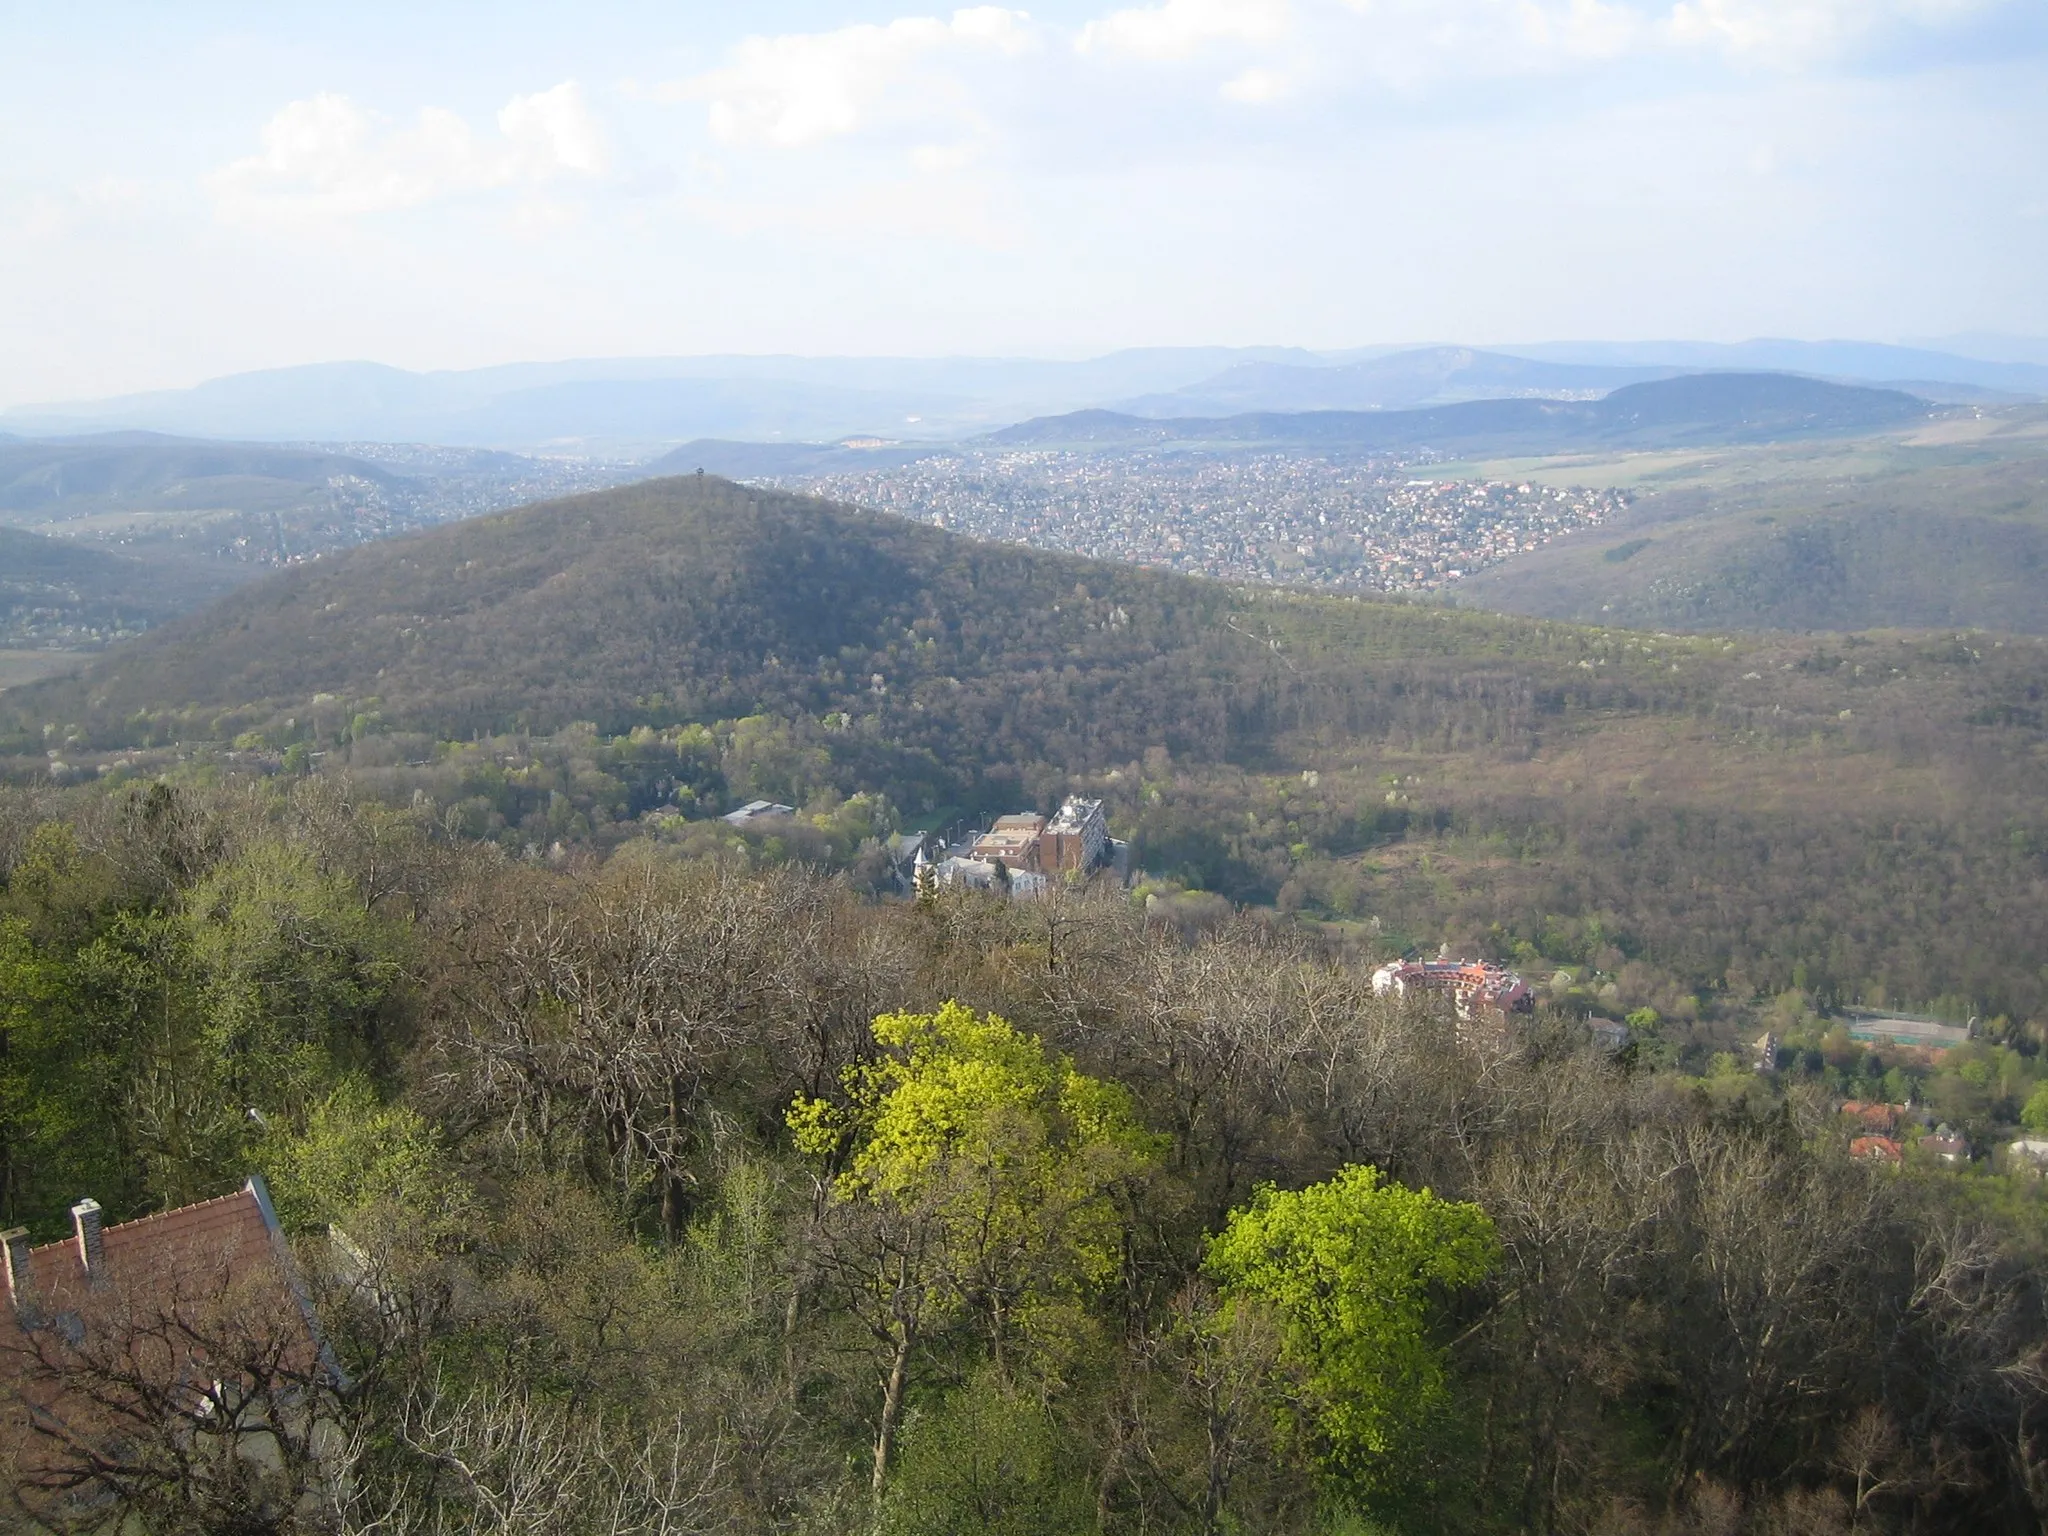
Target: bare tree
{"type": "Point", "coordinates": [601, 1011]}
{"type": "Point", "coordinates": [499, 1461]}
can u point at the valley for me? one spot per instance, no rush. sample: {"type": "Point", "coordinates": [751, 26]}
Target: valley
{"type": "Point", "coordinates": [1136, 768]}
{"type": "Point", "coordinates": [451, 850]}
{"type": "Point", "coordinates": [543, 673]}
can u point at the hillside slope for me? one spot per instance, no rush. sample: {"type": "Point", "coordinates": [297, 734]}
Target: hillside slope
{"type": "Point", "coordinates": [1961, 545]}
{"type": "Point", "coordinates": [55, 593]}
{"type": "Point", "coordinates": [693, 599]}
{"type": "Point", "coordinates": [125, 470]}
{"type": "Point", "coordinates": [1862, 813]}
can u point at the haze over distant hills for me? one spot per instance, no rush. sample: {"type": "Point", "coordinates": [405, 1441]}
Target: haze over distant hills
{"type": "Point", "coordinates": [1860, 361]}
{"type": "Point", "coordinates": [631, 406]}
{"type": "Point", "coordinates": [1422, 376]}
{"type": "Point", "coordinates": [124, 469]}
{"type": "Point", "coordinates": [1691, 408]}
{"type": "Point", "coordinates": [248, 505]}
{"type": "Point", "coordinates": [1665, 412]}
{"type": "Point", "coordinates": [634, 408]}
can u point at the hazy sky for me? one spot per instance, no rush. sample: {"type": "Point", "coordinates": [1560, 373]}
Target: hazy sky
{"type": "Point", "coordinates": [193, 190]}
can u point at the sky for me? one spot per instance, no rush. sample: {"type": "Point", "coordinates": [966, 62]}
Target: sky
{"type": "Point", "coordinates": [203, 189]}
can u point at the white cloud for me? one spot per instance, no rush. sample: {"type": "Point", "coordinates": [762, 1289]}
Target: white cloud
{"type": "Point", "coordinates": [1256, 87]}
{"type": "Point", "coordinates": [1581, 29]}
{"type": "Point", "coordinates": [1180, 28]}
{"type": "Point", "coordinates": [326, 156]}
{"type": "Point", "coordinates": [1791, 32]}
{"type": "Point", "coordinates": [552, 131]}
{"type": "Point", "coordinates": [799, 89]}
{"type": "Point", "coordinates": [934, 159]}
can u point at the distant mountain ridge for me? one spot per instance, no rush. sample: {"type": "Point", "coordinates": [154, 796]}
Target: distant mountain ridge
{"type": "Point", "coordinates": [637, 408]}
{"type": "Point", "coordinates": [627, 407]}
{"type": "Point", "coordinates": [1860, 361]}
{"type": "Point", "coordinates": [774, 461]}
{"type": "Point", "coordinates": [1693, 408]}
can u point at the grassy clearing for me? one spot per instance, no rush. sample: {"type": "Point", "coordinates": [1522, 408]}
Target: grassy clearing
{"type": "Point", "coordinates": [19, 667]}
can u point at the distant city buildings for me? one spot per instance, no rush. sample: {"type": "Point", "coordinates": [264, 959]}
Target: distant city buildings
{"type": "Point", "coordinates": [1305, 519]}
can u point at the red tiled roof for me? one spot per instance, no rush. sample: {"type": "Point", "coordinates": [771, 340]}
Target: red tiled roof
{"type": "Point", "coordinates": [171, 1289]}
{"type": "Point", "coordinates": [231, 1225]}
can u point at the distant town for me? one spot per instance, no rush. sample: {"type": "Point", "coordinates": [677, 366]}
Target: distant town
{"type": "Point", "coordinates": [1309, 520]}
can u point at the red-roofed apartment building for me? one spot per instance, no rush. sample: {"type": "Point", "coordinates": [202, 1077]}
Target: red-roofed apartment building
{"type": "Point", "coordinates": [163, 1370]}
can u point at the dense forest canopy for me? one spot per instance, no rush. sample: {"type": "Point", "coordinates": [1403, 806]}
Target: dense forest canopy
{"type": "Point", "coordinates": [658, 1194]}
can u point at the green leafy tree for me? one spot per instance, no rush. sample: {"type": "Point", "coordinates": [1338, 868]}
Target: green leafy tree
{"type": "Point", "coordinates": [1648, 1045]}
{"type": "Point", "coordinates": [57, 1140]}
{"type": "Point", "coordinates": [978, 1176]}
{"type": "Point", "coordinates": [2035, 1115]}
{"type": "Point", "coordinates": [987, 1459]}
{"type": "Point", "coordinates": [1349, 1266]}
{"type": "Point", "coordinates": [355, 1152]}
{"type": "Point", "coordinates": [294, 972]}
{"type": "Point", "coordinates": [96, 1020]}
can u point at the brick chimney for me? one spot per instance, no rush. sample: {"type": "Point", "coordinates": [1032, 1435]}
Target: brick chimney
{"type": "Point", "coordinates": [16, 1243]}
{"type": "Point", "coordinates": [92, 1250]}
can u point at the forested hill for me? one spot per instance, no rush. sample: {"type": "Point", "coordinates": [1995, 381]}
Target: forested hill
{"type": "Point", "coordinates": [1929, 546]}
{"type": "Point", "coordinates": [933, 657]}
{"type": "Point", "coordinates": [1696, 409]}
{"type": "Point", "coordinates": [695, 598]}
